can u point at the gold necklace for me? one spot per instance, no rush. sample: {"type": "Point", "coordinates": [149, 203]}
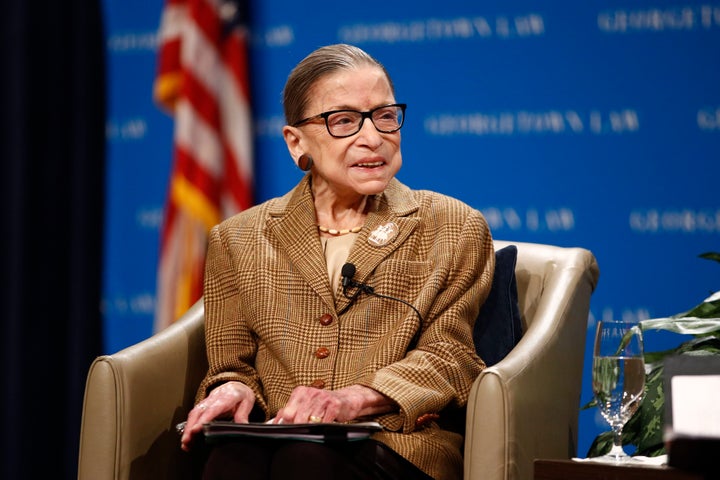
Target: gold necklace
{"type": "Point", "coordinates": [337, 233]}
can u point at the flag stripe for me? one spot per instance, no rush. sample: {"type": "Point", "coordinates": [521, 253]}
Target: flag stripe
{"type": "Point", "coordinates": [235, 183]}
{"type": "Point", "coordinates": [207, 69]}
{"type": "Point", "coordinates": [236, 57]}
{"type": "Point", "coordinates": [202, 79]}
{"type": "Point", "coordinates": [168, 82]}
{"type": "Point", "coordinates": [194, 200]}
{"type": "Point", "coordinates": [199, 138]}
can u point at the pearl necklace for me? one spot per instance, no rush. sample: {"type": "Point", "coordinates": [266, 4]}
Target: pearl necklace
{"type": "Point", "coordinates": [337, 233]}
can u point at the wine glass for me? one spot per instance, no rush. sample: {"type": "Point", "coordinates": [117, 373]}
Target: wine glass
{"type": "Point", "coordinates": [618, 377]}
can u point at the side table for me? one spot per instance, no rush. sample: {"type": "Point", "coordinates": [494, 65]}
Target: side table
{"type": "Point", "coordinates": [572, 470]}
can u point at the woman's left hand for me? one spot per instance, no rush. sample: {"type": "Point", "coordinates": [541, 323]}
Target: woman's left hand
{"type": "Point", "coordinates": [314, 405]}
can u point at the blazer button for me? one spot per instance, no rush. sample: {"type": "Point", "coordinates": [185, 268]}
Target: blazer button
{"type": "Point", "coordinates": [322, 352]}
{"type": "Point", "coordinates": [426, 418]}
{"type": "Point", "coordinates": [318, 383]}
{"type": "Point", "coordinates": [326, 320]}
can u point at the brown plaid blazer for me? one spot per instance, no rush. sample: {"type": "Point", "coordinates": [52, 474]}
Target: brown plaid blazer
{"type": "Point", "coordinates": [267, 287]}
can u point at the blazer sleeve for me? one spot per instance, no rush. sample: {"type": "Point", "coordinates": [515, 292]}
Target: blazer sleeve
{"type": "Point", "coordinates": [230, 345]}
{"type": "Point", "coordinates": [441, 369]}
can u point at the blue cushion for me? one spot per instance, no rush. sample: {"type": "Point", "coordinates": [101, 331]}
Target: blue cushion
{"type": "Point", "coordinates": [498, 327]}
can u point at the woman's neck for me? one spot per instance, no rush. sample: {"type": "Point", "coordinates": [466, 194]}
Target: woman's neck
{"type": "Point", "coordinates": [341, 215]}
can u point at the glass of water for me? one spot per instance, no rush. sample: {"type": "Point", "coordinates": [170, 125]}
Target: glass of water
{"type": "Point", "coordinates": [618, 377]}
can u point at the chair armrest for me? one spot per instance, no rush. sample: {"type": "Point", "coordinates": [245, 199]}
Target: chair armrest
{"type": "Point", "coordinates": [134, 399]}
{"type": "Point", "coordinates": [526, 406]}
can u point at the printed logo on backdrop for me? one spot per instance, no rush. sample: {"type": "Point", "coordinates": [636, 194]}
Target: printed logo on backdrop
{"type": "Point", "coordinates": [440, 29]}
{"type": "Point", "coordinates": [274, 37]}
{"type": "Point", "coordinates": [708, 119]}
{"type": "Point", "coordinates": [145, 41]}
{"type": "Point", "coordinates": [269, 127]}
{"type": "Point", "coordinates": [553, 220]}
{"type": "Point", "coordinates": [688, 221]}
{"type": "Point", "coordinates": [526, 122]}
{"type": "Point", "coordinates": [688, 18]}
{"type": "Point", "coordinates": [128, 130]}
{"type": "Point", "coordinates": [141, 303]}
{"type": "Point", "coordinates": [608, 313]}
{"type": "Point", "coordinates": [149, 217]}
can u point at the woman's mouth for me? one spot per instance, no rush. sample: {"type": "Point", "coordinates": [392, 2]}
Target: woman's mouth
{"type": "Point", "coordinates": [375, 164]}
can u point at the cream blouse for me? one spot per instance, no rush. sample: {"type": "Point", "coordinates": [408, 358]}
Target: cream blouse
{"type": "Point", "coordinates": [336, 251]}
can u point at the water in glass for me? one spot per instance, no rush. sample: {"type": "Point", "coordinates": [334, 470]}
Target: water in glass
{"type": "Point", "coordinates": [618, 377]}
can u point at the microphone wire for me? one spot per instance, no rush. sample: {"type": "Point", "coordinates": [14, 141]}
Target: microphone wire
{"type": "Point", "coordinates": [365, 288]}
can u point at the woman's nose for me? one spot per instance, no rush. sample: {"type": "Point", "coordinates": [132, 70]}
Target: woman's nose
{"type": "Point", "coordinates": [369, 134]}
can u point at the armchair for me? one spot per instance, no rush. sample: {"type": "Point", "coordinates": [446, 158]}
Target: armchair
{"type": "Point", "coordinates": [522, 408]}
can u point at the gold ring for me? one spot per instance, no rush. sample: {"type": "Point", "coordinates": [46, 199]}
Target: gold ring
{"type": "Point", "coordinates": [314, 419]}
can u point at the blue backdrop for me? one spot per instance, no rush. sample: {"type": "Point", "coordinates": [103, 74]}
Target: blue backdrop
{"type": "Point", "coordinates": [592, 124]}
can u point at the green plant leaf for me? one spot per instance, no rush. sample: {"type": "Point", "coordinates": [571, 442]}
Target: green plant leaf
{"type": "Point", "coordinates": [711, 256]}
{"type": "Point", "coordinates": [683, 325]}
{"type": "Point", "coordinates": [601, 445]}
{"type": "Point", "coordinates": [647, 423]}
{"type": "Point", "coordinates": [707, 309]}
{"type": "Point", "coordinates": [700, 346]}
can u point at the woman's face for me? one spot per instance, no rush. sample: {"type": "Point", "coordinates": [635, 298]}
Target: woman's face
{"type": "Point", "coordinates": [361, 164]}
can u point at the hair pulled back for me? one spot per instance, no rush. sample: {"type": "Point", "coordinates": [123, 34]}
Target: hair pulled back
{"type": "Point", "coordinates": [318, 64]}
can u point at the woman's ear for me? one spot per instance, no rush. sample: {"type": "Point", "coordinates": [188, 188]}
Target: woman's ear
{"type": "Point", "coordinates": [293, 141]}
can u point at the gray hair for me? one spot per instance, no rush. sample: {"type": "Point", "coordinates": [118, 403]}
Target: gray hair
{"type": "Point", "coordinates": [320, 63]}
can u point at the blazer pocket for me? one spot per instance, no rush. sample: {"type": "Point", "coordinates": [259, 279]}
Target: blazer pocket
{"type": "Point", "coordinates": [401, 278]}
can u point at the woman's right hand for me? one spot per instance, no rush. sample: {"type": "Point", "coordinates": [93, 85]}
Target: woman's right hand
{"type": "Point", "coordinates": [229, 398]}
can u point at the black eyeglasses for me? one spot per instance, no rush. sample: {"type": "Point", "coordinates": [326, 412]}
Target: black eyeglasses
{"type": "Point", "coordinates": [345, 123]}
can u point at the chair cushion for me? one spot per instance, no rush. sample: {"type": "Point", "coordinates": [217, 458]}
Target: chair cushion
{"type": "Point", "coordinates": [498, 327]}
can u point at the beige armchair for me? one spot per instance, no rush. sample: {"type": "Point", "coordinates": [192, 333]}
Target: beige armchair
{"type": "Point", "coordinates": [526, 406]}
{"type": "Point", "coordinates": [522, 408]}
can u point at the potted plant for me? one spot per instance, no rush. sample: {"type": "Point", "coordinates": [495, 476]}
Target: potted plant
{"type": "Point", "coordinates": [644, 430]}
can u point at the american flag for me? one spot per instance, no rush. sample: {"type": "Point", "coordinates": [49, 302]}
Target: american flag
{"type": "Point", "coordinates": [203, 82]}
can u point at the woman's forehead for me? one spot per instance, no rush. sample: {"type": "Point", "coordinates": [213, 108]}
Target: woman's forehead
{"type": "Point", "coordinates": [351, 88]}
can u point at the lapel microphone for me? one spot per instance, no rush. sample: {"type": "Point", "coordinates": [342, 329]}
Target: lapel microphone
{"type": "Point", "coordinates": [348, 272]}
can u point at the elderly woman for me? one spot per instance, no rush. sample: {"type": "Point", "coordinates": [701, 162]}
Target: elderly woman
{"type": "Point", "coordinates": [290, 341]}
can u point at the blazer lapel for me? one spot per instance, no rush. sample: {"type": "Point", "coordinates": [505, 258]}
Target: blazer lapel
{"type": "Point", "coordinates": [392, 207]}
{"type": "Point", "coordinates": [293, 225]}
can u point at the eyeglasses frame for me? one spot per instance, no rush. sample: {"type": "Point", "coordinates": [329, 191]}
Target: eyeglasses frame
{"type": "Point", "coordinates": [363, 116]}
